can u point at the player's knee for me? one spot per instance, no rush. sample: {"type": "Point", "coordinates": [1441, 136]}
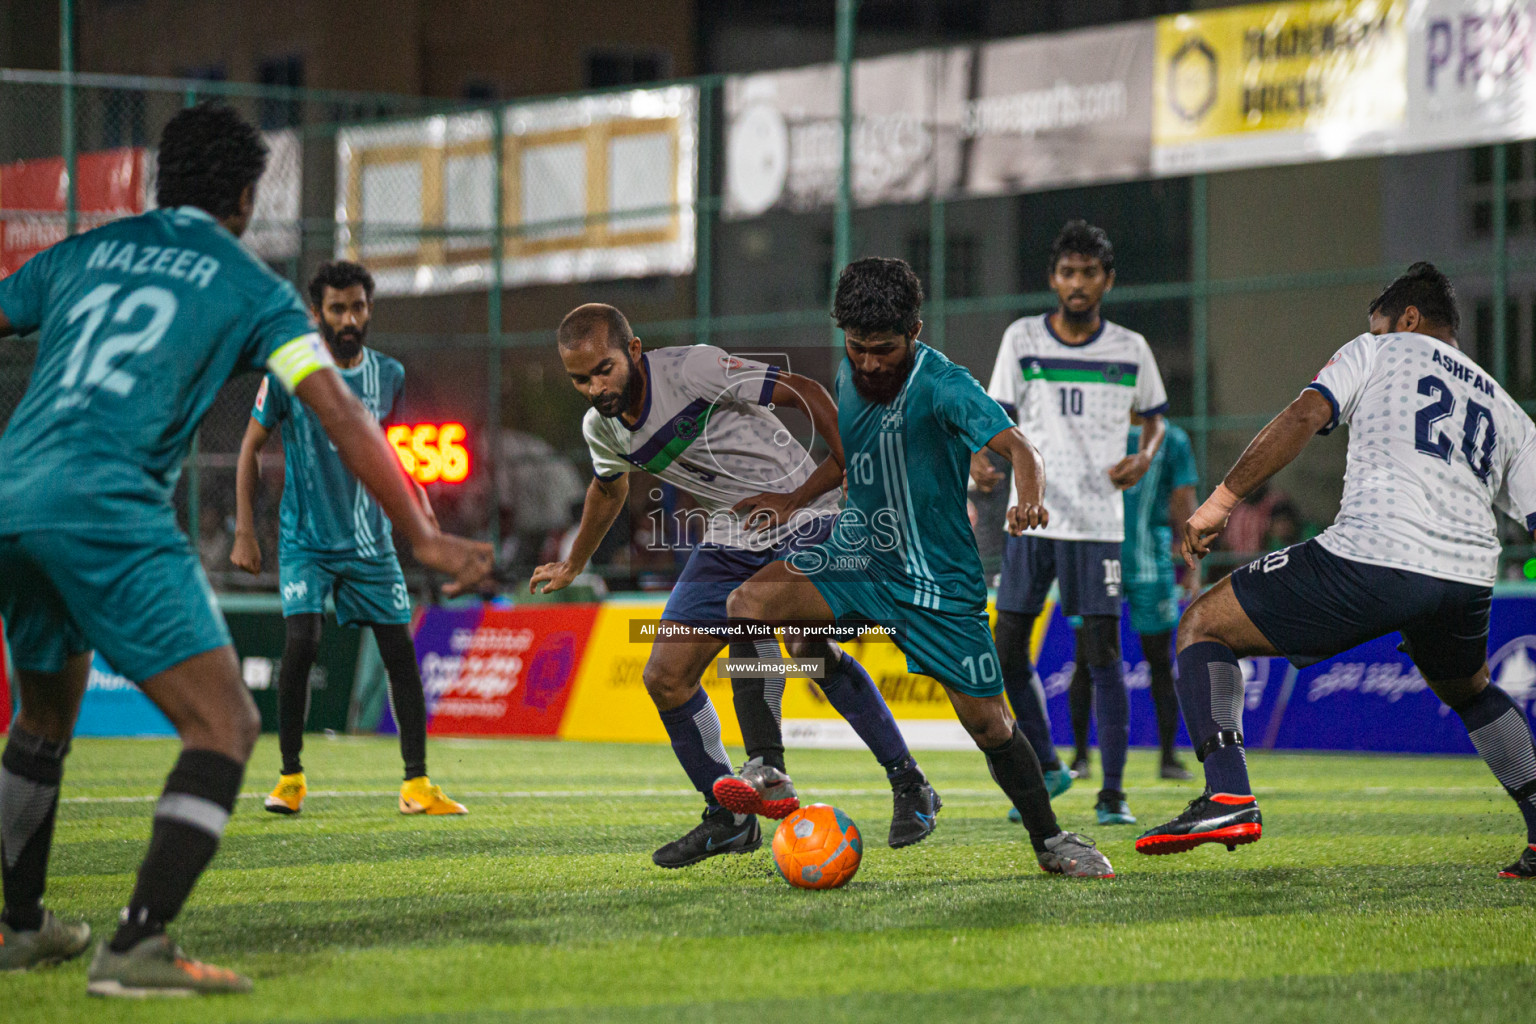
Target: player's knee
{"type": "Point", "coordinates": [1197, 624]}
{"type": "Point", "coordinates": [1456, 692]}
{"type": "Point", "coordinates": [1099, 639]}
{"type": "Point", "coordinates": [667, 688]}
{"type": "Point", "coordinates": [745, 603]}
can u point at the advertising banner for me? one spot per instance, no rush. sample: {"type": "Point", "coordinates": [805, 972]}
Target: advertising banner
{"type": "Point", "coordinates": [113, 706]}
{"type": "Point", "coordinates": [1470, 73]}
{"type": "Point", "coordinates": [33, 194]}
{"type": "Point", "coordinates": [1052, 110]}
{"type": "Point", "coordinates": [593, 187]}
{"type": "Point", "coordinates": [784, 139]}
{"type": "Point", "coordinates": [1278, 83]}
{"type": "Point", "coordinates": [500, 671]}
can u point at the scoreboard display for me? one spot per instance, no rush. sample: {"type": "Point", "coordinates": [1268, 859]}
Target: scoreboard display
{"type": "Point", "coordinates": [432, 453]}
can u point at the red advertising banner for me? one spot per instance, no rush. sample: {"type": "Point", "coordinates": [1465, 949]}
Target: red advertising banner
{"type": "Point", "coordinates": [501, 671]}
{"type": "Point", "coordinates": [33, 195]}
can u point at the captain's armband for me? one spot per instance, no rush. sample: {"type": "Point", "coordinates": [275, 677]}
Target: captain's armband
{"type": "Point", "coordinates": [294, 360]}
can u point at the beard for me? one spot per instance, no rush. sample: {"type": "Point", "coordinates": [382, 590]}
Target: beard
{"type": "Point", "coordinates": [612, 403]}
{"type": "Point", "coordinates": [1081, 317]}
{"type": "Point", "coordinates": [344, 344]}
{"type": "Point", "coordinates": [884, 385]}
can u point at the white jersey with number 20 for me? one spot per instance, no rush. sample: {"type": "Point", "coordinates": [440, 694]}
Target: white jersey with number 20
{"type": "Point", "coordinates": [1435, 444]}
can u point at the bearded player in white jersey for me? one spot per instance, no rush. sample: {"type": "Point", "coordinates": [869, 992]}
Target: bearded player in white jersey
{"type": "Point", "coordinates": [1070, 378]}
{"type": "Point", "coordinates": [702, 420]}
{"type": "Point", "coordinates": [1435, 446]}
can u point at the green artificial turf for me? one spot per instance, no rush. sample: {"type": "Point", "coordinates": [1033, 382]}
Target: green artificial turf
{"type": "Point", "coordinates": [1372, 897]}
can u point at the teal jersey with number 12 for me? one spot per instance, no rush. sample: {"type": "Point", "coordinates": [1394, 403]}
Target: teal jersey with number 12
{"type": "Point", "coordinates": [140, 323]}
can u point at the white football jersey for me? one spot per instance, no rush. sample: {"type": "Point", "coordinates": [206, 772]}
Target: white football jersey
{"type": "Point", "coordinates": [707, 428]}
{"type": "Point", "coordinates": [1074, 403]}
{"type": "Point", "coordinates": [1435, 444]}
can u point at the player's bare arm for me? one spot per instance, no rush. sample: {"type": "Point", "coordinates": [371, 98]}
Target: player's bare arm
{"type": "Point", "coordinates": [364, 451]}
{"type": "Point", "coordinates": [985, 475]}
{"type": "Point", "coordinates": [1129, 470]}
{"type": "Point", "coordinates": [765, 510]}
{"type": "Point", "coordinates": [246, 553]}
{"type": "Point", "coordinates": [1028, 477]}
{"type": "Point", "coordinates": [1275, 447]}
{"type": "Point", "coordinates": [605, 500]}
{"type": "Point", "coordinates": [1181, 505]}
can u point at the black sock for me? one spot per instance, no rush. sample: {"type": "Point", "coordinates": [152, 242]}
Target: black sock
{"type": "Point", "coordinates": [1159, 655]}
{"type": "Point", "coordinates": [759, 702]}
{"type": "Point", "coordinates": [189, 821]}
{"type": "Point", "coordinates": [30, 772]}
{"type": "Point", "coordinates": [1024, 692]}
{"type": "Point", "coordinates": [1080, 704]}
{"type": "Point", "coordinates": [1016, 770]}
{"type": "Point", "coordinates": [903, 771]}
{"type": "Point", "coordinates": [407, 700]}
{"type": "Point", "coordinates": [300, 649]}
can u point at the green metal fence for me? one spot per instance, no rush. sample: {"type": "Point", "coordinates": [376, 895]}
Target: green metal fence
{"type": "Point", "coordinates": [484, 356]}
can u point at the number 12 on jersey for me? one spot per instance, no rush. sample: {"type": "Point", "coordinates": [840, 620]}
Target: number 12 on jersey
{"type": "Point", "coordinates": [117, 347]}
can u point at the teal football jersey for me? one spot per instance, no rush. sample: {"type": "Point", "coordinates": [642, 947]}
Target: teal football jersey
{"type": "Point", "coordinates": [1147, 552]}
{"type": "Point", "coordinates": [908, 462]}
{"type": "Point", "coordinates": [140, 322]}
{"type": "Point", "coordinates": [326, 510]}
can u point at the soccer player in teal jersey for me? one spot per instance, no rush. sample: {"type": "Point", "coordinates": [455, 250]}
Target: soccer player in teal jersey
{"type": "Point", "coordinates": [334, 537]}
{"type": "Point", "coordinates": [140, 323]}
{"type": "Point", "coordinates": [902, 552]}
{"type": "Point", "coordinates": [1156, 508]}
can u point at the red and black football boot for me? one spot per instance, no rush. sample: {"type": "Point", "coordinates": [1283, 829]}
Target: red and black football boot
{"type": "Point", "coordinates": [1209, 818]}
{"type": "Point", "coordinates": [1525, 867]}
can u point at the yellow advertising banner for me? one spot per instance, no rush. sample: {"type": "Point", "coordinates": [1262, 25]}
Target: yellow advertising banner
{"type": "Point", "coordinates": [608, 701]}
{"type": "Point", "coordinates": [1278, 83]}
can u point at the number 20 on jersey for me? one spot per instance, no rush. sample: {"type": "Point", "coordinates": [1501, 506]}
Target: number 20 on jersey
{"type": "Point", "coordinates": [431, 453]}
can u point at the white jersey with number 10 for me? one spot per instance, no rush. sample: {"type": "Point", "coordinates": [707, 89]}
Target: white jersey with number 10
{"type": "Point", "coordinates": [1435, 444]}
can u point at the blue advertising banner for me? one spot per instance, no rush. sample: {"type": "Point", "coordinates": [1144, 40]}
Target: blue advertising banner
{"type": "Point", "coordinates": [115, 707]}
{"type": "Point", "coordinates": [1369, 699]}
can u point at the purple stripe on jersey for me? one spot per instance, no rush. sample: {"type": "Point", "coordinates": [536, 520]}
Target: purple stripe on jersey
{"type": "Point", "coordinates": [1530, 522]}
{"type": "Point", "coordinates": [1156, 410]}
{"type": "Point", "coordinates": [1046, 319]}
{"type": "Point", "coordinates": [608, 478]}
{"type": "Point", "coordinates": [1333, 421]}
{"type": "Point", "coordinates": [769, 380]}
{"type": "Point", "coordinates": [1011, 409]}
{"type": "Point", "coordinates": [668, 431]}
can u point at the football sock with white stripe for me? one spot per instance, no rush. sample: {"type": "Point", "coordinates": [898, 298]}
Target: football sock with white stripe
{"type": "Point", "coordinates": [1210, 686]}
{"type": "Point", "coordinates": [1503, 739]}
{"type": "Point", "coordinates": [30, 772]}
{"type": "Point", "coordinates": [854, 696]}
{"type": "Point", "coordinates": [1023, 686]}
{"type": "Point", "coordinates": [759, 702]}
{"type": "Point", "coordinates": [694, 729]}
{"type": "Point", "coordinates": [189, 822]}
{"type": "Point", "coordinates": [407, 701]}
{"type": "Point", "coordinates": [301, 645]}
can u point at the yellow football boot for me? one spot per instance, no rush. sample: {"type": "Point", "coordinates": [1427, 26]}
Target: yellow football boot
{"type": "Point", "coordinates": [419, 796]}
{"type": "Point", "coordinates": [288, 797]}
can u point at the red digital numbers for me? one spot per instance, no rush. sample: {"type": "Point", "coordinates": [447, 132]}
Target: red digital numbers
{"type": "Point", "coordinates": [430, 452]}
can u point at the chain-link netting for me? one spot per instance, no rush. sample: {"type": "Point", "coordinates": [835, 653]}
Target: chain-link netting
{"type": "Point", "coordinates": [617, 197]}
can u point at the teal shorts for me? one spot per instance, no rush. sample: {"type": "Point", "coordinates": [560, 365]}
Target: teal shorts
{"type": "Point", "coordinates": [954, 647]}
{"type": "Point", "coordinates": [141, 601]}
{"type": "Point", "coordinates": [369, 591]}
{"type": "Point", "coordinates": [1154, 605]}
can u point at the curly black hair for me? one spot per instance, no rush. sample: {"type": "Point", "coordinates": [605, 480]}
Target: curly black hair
{"type": "Point", "coordinates": [1425, 288]}
{"type": "Point", "coordinates": [1080, 238]}
{"type": "Point", "coordinates": [209, 154]}
{"type": "Point", "coordinates": [339, 275]}
{"type": "Point", "coordinates": [878, 295]}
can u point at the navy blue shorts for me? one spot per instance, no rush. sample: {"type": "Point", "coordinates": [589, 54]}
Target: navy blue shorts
{"type": "Point", "coordinates": [1089, 572]}
{"type": "Point", "coordinates": [1312, 604]}
{"type": "Point", "coordinates": [712, 572]}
